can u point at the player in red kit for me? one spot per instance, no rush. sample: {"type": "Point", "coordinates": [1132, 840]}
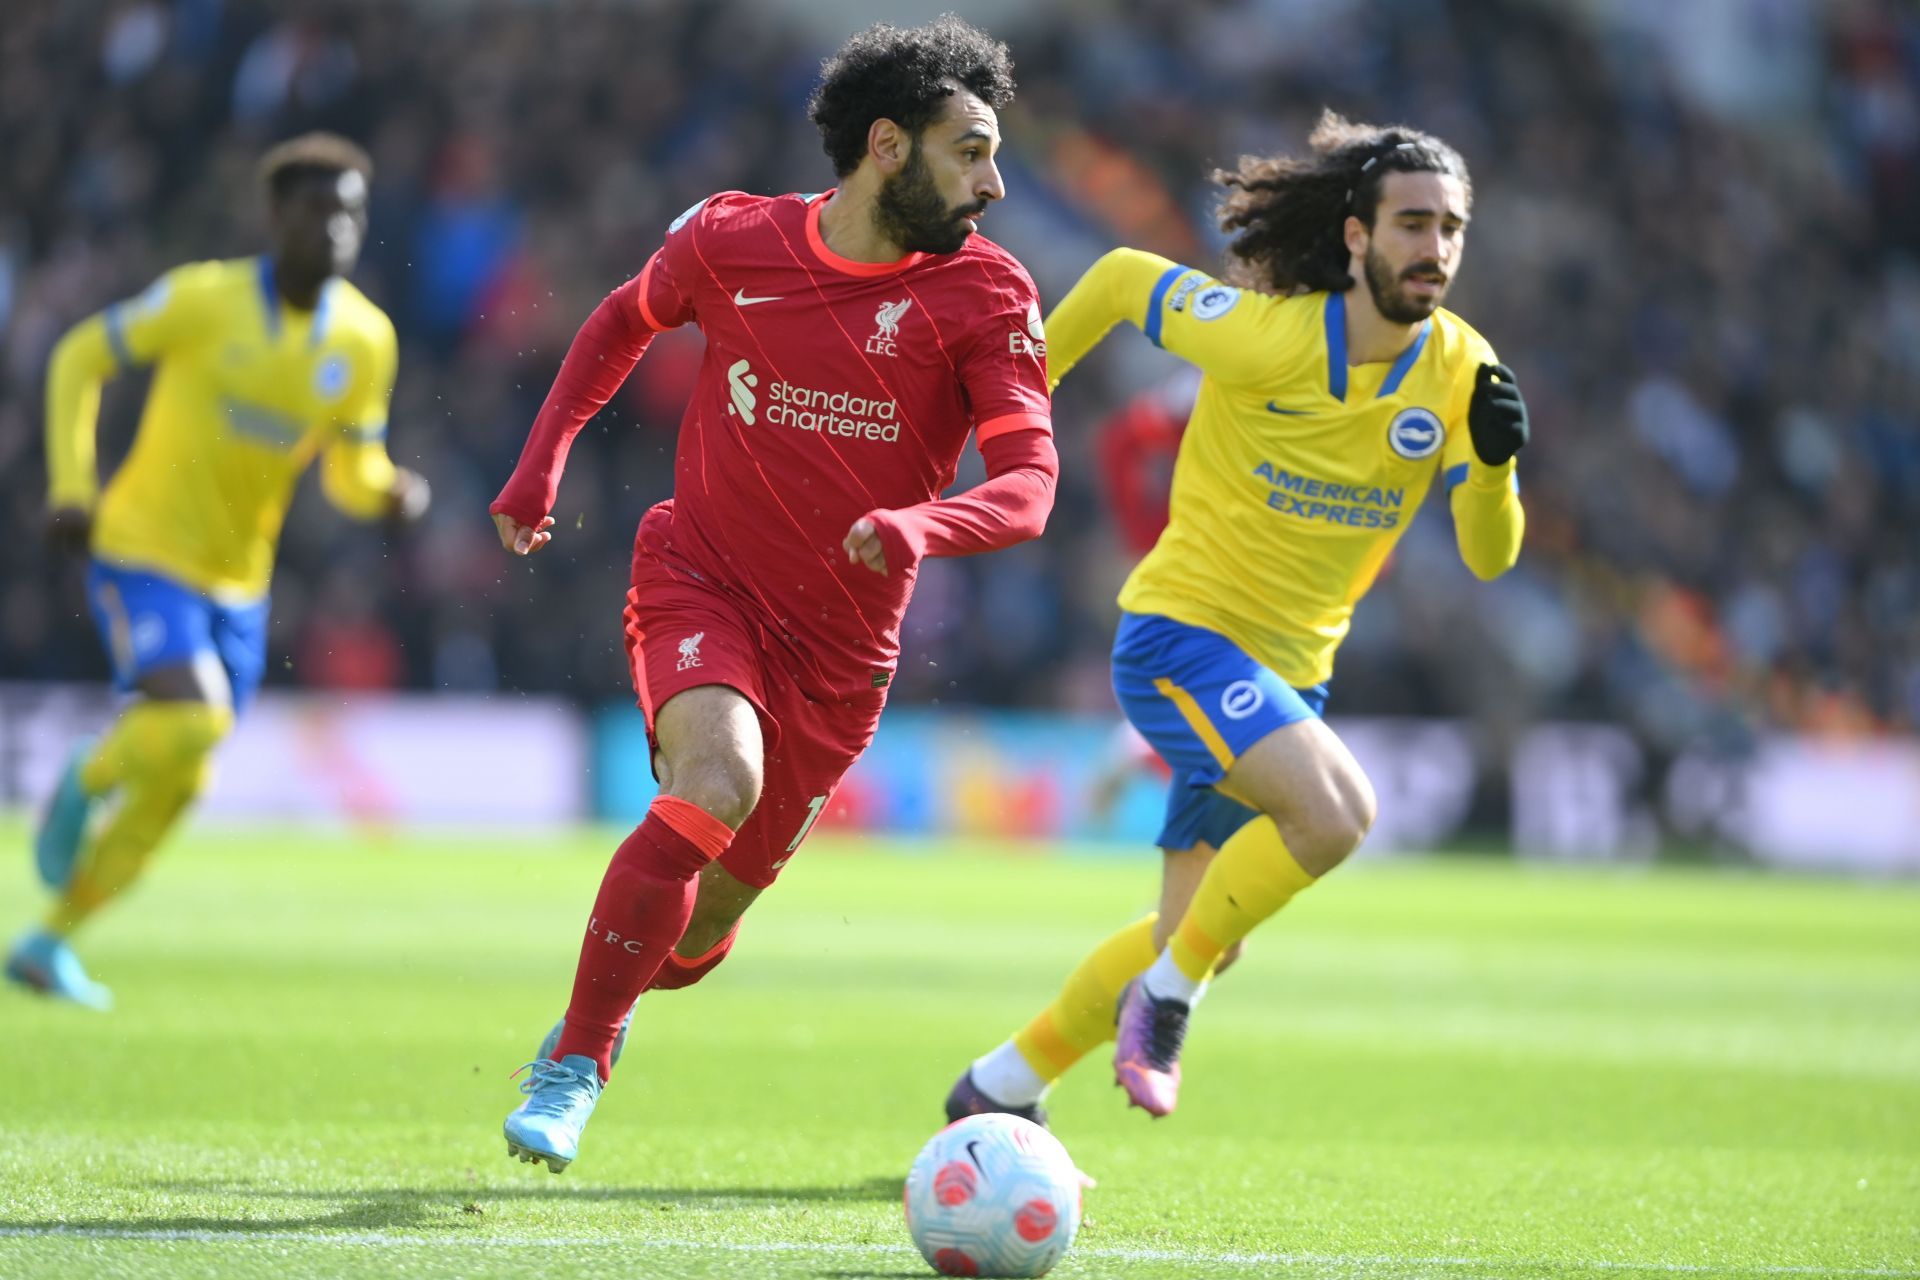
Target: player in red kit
{"type": "Point", "coordinates": [854, 340]}
{"type": "Point", "coordinates": [1135, 448]}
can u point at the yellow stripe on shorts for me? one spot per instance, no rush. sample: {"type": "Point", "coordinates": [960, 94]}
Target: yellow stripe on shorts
{"type": "Point", "coordinates": [1197, 720]}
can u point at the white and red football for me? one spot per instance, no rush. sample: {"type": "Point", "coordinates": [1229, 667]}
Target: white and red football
{"type": "Point", "coordinates": [993, 1195]}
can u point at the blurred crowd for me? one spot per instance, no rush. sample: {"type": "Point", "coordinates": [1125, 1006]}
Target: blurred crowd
{"type": "Point", "coordinates": [1712, 300]}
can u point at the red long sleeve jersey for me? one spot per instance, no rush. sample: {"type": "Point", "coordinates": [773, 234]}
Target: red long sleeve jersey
{"type": "Point", "coordinates": [1136, 448]}
{"type": "Point", "coordinates": [829, 389]}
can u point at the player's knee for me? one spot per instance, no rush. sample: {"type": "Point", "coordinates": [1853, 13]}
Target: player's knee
{"type": "Point", "coordinates": [1361, 806]}
{"type": "Point", "coordinates": [726, 785]}
{"type": "Point", "coordinates": [178, 751]}
{"type": "Point", "coordinates": [1333, 826]}
{"type": "Point", "coordinates": [681, 971]}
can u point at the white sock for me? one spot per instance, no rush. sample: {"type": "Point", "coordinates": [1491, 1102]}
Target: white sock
{"type": "Point", "coordinates": [1004, 1076]}
{"type": "Point", "coordinates": [1163, 980]}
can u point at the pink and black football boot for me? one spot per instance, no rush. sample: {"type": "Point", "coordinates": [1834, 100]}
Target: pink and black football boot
{"type": "Point", "coordinates": [1146, 1049]}
{"type": "Point", "coordinates": [967, 1099]}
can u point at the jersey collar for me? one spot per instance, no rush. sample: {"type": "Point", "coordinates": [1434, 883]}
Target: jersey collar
{"type": "Point", "coordinates": [322, 312]}
{"type": "Point", "coordinates": [1335, 314]}
{"type": "Point", "coordinates": [270, 302]}
{"type": "Point", "coordinates": [269, 295]}
{"type": "Point", "coordinates": [847, 266]}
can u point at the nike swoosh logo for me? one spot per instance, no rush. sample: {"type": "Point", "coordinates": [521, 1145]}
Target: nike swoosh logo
{"type": "Point", "coordinates": [740, 298]}
{"type": "Point", "coordinates": [1291, 413]}
{"type": "Point", "coordinates": [976, 1156]}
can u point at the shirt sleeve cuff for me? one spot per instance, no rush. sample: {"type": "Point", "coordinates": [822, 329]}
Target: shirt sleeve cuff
{"type": "Point", "coordinates": [647, 317]}
{"type": "Point", "coordinates": [1481, 476]}
{"type": "Point", "coordinates": [508, 504]}
{"type": "Point", "coordinates": [1011, 422]}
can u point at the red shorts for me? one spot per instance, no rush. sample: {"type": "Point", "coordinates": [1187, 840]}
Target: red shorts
{"type": "Point", "coordinates": [681, 633]}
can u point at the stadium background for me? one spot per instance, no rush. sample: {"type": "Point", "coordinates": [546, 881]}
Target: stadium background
{"type": "Point", "coordinates": [1696, 237]}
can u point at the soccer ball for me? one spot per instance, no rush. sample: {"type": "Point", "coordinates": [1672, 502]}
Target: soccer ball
{"type": "Point", "coordinates": [993, 1195]}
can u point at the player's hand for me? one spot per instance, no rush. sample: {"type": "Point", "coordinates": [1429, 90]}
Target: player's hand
{"type": "Point", "coordinates": [70, 529]}
{"type": "Point", "coordinates": [522, 540]}
{"type": "Point", "coordinates": [1497, 416]}
{"type": "Point", "coordinates": [863, 546]}
{"type": "Point", "coordinates": [410, 496]}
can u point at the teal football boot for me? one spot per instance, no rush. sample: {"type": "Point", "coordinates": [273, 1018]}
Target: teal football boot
{"type": "Point", "coordinates": [43, 962]}
{"type": "Point", "coordinates": [63, 828]}
{"type": "Point", "coordinates": [560, 1098]}
{"type": "Point", "coordinates": [552, 1041]}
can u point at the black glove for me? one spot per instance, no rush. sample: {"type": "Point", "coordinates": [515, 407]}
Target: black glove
{"type": "Point", "coordinates": [70, 530]}
{"type": "Point", "coordinates": [1497, 416]}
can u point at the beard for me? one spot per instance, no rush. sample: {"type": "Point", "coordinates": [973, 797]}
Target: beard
{"type": "Point", "coordinates": [1390, 299]}
{"type": "Point", "coordinates": [910, 211]}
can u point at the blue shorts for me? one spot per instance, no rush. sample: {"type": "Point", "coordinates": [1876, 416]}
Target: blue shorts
{"type": "Point", "coordinates": [1201, 701]}
{"type": "Point", "coordinates": [148, 622]}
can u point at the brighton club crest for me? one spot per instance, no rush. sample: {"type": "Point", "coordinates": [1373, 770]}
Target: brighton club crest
{"type": "Point", "coordinates": [1416, 433]}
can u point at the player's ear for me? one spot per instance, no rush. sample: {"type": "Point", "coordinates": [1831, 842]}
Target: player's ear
{"type": "Point", "coordinates": [888, 144]}
{"type": "Point", "coordinates": [1356, 235]}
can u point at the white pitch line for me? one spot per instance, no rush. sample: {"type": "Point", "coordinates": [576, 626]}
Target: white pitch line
{"type": "Point", "coordinates": [386, 1239]}
{"type": "Point", "coordinates": [1387, 1260]}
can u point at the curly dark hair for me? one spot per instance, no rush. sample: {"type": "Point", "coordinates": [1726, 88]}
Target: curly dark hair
{"type": "Point", "coordinates": [1288, 215]}
{"type": "Point", "coordinates": [906, 76]}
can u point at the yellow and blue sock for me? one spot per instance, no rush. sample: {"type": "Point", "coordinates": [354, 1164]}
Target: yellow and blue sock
{"type": "Point", "coordinates": [157, 757]}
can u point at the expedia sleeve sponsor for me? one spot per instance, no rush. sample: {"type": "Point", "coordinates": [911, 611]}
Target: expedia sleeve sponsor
{"type": "Point", "coordinates": [1307, 498]}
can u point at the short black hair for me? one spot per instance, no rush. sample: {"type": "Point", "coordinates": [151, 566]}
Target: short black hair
{"type": "Point", "coordinates": [310, 155]}
{"type": "Point", "coordinates": [906, 76]}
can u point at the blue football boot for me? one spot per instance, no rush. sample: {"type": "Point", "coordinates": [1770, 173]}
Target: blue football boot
{"type": "Point", "coordinates": [63, 828]}
{"type": "Point", "coordinates": [43, 962]}
{"type": "Point", "coordinates": [560, 1098]}
{"type": "Point", "coordinates": [552, 1041]}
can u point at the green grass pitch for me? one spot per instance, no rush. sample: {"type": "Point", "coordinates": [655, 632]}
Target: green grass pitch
{"type": "Point", "coordinates": [1443, 1068]}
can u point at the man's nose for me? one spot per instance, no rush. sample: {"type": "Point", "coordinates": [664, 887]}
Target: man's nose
{"type": "Point", "coordinates": [990, 187]}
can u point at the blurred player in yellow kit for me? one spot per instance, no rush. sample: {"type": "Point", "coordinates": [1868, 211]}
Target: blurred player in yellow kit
{"type": "Point", "coordinates": [260, 364]}
{"type": "Point", "coordinates": [1334, 389]}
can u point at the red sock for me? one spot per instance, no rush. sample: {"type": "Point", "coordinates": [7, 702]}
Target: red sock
{"type": "Point", "coordinates": [645, 901]}
{"type": "Point", "coordinates": [680, 972]}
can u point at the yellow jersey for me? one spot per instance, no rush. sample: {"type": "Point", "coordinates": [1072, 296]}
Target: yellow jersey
{"type": "Point", "coordinates": [1297, 473]}
{"type": "Point", "coordinates": [247, 389]}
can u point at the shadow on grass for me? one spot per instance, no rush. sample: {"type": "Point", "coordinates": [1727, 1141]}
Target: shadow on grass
{"type": "Point", "coordinates": [435, 1208]}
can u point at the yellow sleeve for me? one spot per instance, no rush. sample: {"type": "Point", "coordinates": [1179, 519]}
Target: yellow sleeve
{"type": "Point", "coordinates": [357, 477]}
{"type": "Point", "coordinates": [1226, 332]}
{"type": "Point", "coordinates": [137, 331]}
{"type": "Point", "coordinates": [356, 474]}
{"type": "Point", "coordinates": [1488, 521]}
{"type": "Point", "coordinates": [81, 363]}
